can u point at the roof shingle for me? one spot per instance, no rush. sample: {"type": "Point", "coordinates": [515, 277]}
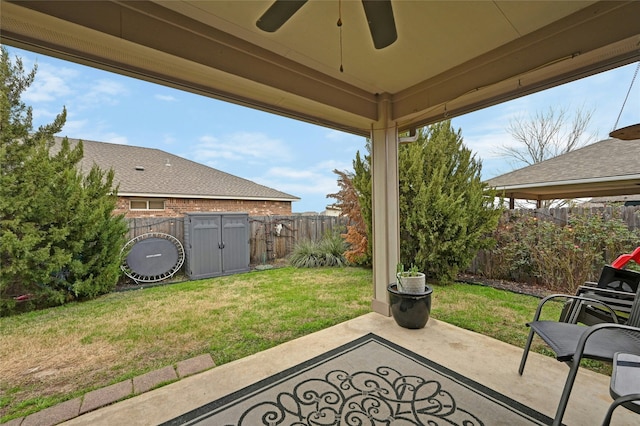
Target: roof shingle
{"type": "Point", "coordinates": [153, 172]}
{"type": "Point", "coordinates": [607, 158]}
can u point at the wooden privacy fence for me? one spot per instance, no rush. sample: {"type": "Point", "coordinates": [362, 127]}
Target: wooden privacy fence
{"type": "Point", "coordinates": [561, 215]}
{"type": "Point", "coordinates": [173, 226]}
{"type": "Point", "coordinates": [273, 237]}
{"type": "Point", "coordinates": [490, 264]}
{"type": "Point", "coordinates": [270, 237]}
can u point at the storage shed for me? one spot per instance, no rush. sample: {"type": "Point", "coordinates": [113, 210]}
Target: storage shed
{"type": "Point", "coordinates": [216, 244]}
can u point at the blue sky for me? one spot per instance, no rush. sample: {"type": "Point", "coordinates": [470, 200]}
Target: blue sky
{"type": "Point", "coordinates": [288, 155]}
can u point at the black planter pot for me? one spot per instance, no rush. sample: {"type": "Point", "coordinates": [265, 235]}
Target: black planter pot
{"type": "Point", "coordinates": [410, 310]}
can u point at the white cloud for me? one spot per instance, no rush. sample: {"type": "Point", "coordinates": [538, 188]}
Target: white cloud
{"type": "Point", "coordinates": [74, 127]}
{"type": "Point", "coordinates": [71, 87]}
{"type": "Point", "coordinates": [487, 145]}
{"type": "Point", "coordinates": [299, 182]}
{"type": "Point", "coordinates": [169, 139]}
{"type": "Point", "coordinates": [345, 142]}
{"type": "Point", "coordinates": [44, 115]}
{"type": "Point", "coordinates": [330, 165]}
{"type": "Point", "coordinates": [49, 85]}
{"type": "Point", "coordinates": [338, 136]}
{"type": "Point", "coordinates": [91, 131]}
{"type": "Point", "coordinates": [113, 138]}
{"type": "Point", "coordinates": [289, 173]}
{"type": "Point", "coordinates": [108, 87]}
{"type": "Point", "coordinates": [103, 92]}
{"type": "Point", "coordinates": [240, 146]}
{"type": "Point", "coordinates": [314, 180]}
{"type": "Point", "coordinates": [167, 98]}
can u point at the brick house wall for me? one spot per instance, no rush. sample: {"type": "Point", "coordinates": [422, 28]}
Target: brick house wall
{"type": "Point", "coordinates": [177, 207]}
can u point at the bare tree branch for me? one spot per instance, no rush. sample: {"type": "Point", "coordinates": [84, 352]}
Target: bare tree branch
{"type": "Point", "coordinates": [546, 134]}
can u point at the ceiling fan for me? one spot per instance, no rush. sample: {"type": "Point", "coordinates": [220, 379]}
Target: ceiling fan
{"type": "Point", "coordinates": [379, 14]}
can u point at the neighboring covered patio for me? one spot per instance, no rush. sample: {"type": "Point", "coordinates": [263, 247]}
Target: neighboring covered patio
{"type": "Point", "coordinates": [604, 168]}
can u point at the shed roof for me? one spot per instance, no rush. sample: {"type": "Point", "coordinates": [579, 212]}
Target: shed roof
{"type": "Point", "coordinates": [152, 172]}
{"type": "Point", "coordinates": [608, 167]}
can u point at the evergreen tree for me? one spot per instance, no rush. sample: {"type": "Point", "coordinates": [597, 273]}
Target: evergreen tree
{"type": "Point", "coordinates": [446, 212]}
{"type": "Point", "coordinates": [58, 239]}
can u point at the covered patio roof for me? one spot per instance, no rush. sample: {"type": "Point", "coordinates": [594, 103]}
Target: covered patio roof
{"type": "Point", "coordinates": [605, 168]}
{"type": "Point", "coordinates": [449, 58]}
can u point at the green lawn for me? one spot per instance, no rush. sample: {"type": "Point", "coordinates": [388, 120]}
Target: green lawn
{"type": "Point", "coordinates": [56, 354]}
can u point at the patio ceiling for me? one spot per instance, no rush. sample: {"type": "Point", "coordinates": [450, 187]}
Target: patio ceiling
{"type": "Point", "coordinates": [450, 58]}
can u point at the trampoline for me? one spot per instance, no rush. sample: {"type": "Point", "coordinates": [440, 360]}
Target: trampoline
{"type": "Point", "coordinates": [152, 257]}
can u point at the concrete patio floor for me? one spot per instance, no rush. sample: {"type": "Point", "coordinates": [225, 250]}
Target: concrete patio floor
{"type": "Point", "coordinates": [483, 359]}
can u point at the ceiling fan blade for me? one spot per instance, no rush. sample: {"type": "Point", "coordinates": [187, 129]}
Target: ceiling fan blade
{"type": "Point", "coordinates": [381, 22]}
{"type": "Point", "coordinates": [278, 13]}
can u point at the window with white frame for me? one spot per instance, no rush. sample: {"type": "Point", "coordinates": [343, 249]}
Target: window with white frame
{"type": "Point", "coordinates": [148, 204]}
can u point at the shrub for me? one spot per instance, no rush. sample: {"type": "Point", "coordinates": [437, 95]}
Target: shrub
{"type": "Point", "coordinates": [558, 256]}
{"type": "Point", "coordinates": [58, 238]}
{"type": "Point", "coordinates": [511, 257]}
{"type": "Point", "coordinates": [327, 252]}
{"type": "Point", "coordinates": [348, 201]}
{"type": "Point", "coordinates": [446, 213]}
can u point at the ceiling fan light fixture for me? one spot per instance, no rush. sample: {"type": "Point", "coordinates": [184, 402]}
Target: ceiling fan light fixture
{"type": "Point", "coordinates": [278, 13]}
{"type": "Point", "coordinates": [382, 24]}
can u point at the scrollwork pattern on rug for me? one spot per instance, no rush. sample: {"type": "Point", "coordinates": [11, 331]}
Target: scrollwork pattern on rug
{"type": "Point", "coordinates": [361, 398]}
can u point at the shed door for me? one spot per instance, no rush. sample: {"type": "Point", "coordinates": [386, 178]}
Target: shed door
{"type": "Point", "coordinates": [205, 251]}
{"type": "Point", "coordinates": [235, 237]}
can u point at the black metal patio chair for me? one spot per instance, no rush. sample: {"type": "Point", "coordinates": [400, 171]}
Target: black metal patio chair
{"type": "Point", "coordinates": [616, 288]}
{"type": "Point", "coordinates": [572, 342]}
{"type": "Point", "coordinates": [625, 384]}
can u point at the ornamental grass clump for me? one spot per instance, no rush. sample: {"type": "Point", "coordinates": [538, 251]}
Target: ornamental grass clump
{"type": "Point", "coordinates": [313, 254]}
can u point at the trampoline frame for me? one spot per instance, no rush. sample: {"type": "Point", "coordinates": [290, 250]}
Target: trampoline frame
{"type": "Point", "coordinates": [139, 278]}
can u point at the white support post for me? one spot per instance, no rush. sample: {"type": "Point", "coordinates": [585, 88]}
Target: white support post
{"type": "Point", "coordinates": [385, 209]}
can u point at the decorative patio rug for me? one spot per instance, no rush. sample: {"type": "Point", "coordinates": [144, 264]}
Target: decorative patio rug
{"type": "Point", "coordinates": [369, 381]}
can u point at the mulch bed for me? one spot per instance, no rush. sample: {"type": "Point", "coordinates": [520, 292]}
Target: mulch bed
{"type": "Point", "coordinates": [516, 287]}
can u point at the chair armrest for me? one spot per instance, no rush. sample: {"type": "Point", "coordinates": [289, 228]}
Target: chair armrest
{"type": "Point", "coordinates": [621, 301]}
{"type": "Point", "coordinates": [622, 294]}
{"type": "Point", "coordinates": [574, 298]}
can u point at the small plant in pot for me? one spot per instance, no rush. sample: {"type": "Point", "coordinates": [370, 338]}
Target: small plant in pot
{"type": "Point", "coordinates": [411, 280]}
{"type": "Point", "coordinates": [410, 298]}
